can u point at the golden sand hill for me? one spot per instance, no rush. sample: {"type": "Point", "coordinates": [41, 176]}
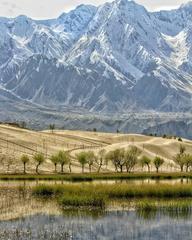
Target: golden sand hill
{"type": "Point", "coordinates": [15, 141]}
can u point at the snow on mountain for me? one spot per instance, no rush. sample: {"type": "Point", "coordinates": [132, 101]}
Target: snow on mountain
{"type": "Point", "coordinates": [117, 57]}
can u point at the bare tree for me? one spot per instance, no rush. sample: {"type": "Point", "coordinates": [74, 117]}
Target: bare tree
{"type": "Point", "coordinates": [179, 159]}
{"type": "Point", "coordinates": [70, 164]}
{"type": "Point", "coordinates": [100, 160]}
{"type": "Point", "coordinates": [24, 160]}
{"type": "Point", "coordinates": [131, 158]}
{"type": "Point", "coordinates": [63, 159]}
{"type": "Point", "coordinates": [55, 160]}
{"type": "Point", "coordinates": [188, 161]}
{"type": "Point", "coordinates": [52, 127]}
{"type": "Point", "coordinates": [91, 158]}
{"type": "Point", "coordinates": [82, 159]}
{"type": "Point", "coordinates": [9, 160]}
{"type": "Point", "coordinates": [117, 157]}
{"type": "Point", "coordinates": [158, 162]}
{"type": "Point", "coordinates": [39, 159]}
{"type": "Point", "coordinates": [146, 161]}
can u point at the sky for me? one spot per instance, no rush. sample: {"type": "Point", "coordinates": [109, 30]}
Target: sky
{"type": "Point", "coordinates": [45, 9]}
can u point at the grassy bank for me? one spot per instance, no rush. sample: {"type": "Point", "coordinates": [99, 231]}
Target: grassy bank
{"type": "Point", "coordinates": [96, 176]}
{"type": "Point", "coordinates": [148, 209]}
{"type": "Point", "coordinates": [100, 195]}
{"type": "Point", "coordinates": [82, 200]}
{"type": "Point", "coordinates": [181, 205]}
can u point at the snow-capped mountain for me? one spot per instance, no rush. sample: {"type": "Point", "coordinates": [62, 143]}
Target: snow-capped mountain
{"type": "Point", "coordinates": [117, 57]}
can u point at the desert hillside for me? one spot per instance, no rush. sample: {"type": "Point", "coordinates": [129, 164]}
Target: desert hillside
{"type": "Point", "coordinates": [15, 142]}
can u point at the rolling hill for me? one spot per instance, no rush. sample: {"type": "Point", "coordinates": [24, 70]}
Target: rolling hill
{"type": "Point", "coordinates": [15, 141]}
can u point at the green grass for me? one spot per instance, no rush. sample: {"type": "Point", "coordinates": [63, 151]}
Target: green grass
{"type": "Point", "coordinates": [119, 190]}
{"type": "Point", "coordinates": [170, 205]}
{"type": "Point", "coordinates": [48, 190]}
{"type": "Point", "coordinates": [75, 200]}
{"type": "Point", "coordinates": [149, 208]}
{"type": "Point", "coordinates": [98, 195]}
{"type": "Point", "coordinates": [150, 191]}
{"type": "Point", "coordinates": [68, 196]}
{"type": "Point", "coordinates": [96, 176]}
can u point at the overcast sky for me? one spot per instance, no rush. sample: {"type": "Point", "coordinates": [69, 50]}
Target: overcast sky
{"type": "Point", "coordinates": [43, 9]}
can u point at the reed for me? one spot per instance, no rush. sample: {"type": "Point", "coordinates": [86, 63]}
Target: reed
{"type": "Point", "coordinates": [98, 195]}
{"type": "Point", "coordinates": [75, 200]}
{"type": "Point", "coordinates": [178, 208]}
{"type": "Point", "coordinates": [120, 190]}
{"type": "Point", "coordinates": [164, 205]}
{"type": "Point", "coordinates": [151, 191]}
{"type": "Point", "coordinates": [48, 190]}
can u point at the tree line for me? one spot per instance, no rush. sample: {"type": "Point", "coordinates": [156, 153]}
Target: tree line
{"type": "Point", "coordinates": [122, 160]}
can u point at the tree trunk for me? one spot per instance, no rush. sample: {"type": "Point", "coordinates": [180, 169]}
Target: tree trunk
{"type": "Point", "coordinates": [70, 170]}
{"type": "Point", "coordinates": [83, 168]}
{"type": "Point", "coordinates": [121, 168]}
{"type": "Point", "coordinates": [37, 168]}
{"type": "Point", "coordinates": [62, 166]}
{"type": "Point", "coordinates": [157, 170]}
{"type": "Point", "coordinates": [55, 167]}
{"type": "Point", "coordinates": [148, 168]}
{"type": "Point", "coordinates": [128, 169]}
{"type": "Point", "coordinates": [90, 168]}
{"type": "Point", "coordinates": [24, 168]}
{"type": "Point", "coordinates": [181, 168]}
{"type": "Point", "coordinates": [99, 168]}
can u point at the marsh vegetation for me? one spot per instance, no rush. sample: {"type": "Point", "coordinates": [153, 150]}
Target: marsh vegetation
{"type": "Point", "coordinates": [100, 194]}
{"type": "Point", "coordinates": [56, 210]}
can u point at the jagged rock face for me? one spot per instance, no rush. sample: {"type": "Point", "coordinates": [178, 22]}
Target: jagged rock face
{"type": "Point", "coordinates": [117, 57]}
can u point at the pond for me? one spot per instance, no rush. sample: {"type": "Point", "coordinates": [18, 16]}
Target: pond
{"type": "Point", "coordinates": [112, 225]}
{"type": "Point", "coordinates": [24, 217]}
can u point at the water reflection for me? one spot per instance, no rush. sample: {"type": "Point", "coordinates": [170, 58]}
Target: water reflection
{"type": "Point", "coordinates": [28, 183]}
{"type": "Point", "coordinates": [112, 225]}
{"type": "Point", "coordinates": [173, 213]}
{"type": "Point", "coordinates": [23, 217]}
{"type": "Point", "coordinates": [18, 202]}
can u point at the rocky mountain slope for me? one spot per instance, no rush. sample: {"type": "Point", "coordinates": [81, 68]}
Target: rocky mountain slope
{"type": "Point", "coordinates": [115, 58]}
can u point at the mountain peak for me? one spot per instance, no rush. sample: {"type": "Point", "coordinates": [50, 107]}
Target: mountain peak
{"type": "Point", "coordinates": [129, 5]}
{"type": "Point", "coordinates": [21, 18]}
{"type": "Point", "coordinates": [79, 13]}
{"type": "Point", "coordinates": [126, 2]}
{"type": "Point", "coordinates": [79, 8]}
{"type": "Point", "coordinates": [85, 6]}
{"type": "Point", "coordinates": [187, 5]}
{"type": "Point", "coordinates": [121, 56]}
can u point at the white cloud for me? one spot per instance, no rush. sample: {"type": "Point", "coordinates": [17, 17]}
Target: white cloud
{"type": "Point", "coordinates": [43, 9]}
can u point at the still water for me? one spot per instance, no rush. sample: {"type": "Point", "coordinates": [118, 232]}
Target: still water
{"type": "Point", "coordinates": [112, 225]}
{"type": "Point", "coordinates": [24, 217]}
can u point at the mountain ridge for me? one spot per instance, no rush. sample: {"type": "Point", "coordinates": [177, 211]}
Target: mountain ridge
{"type": "Point", "coordinates": [117, 57]}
